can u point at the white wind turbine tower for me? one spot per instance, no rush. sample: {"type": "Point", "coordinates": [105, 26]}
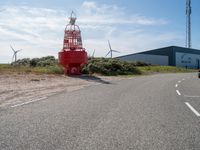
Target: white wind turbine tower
{"type": "Point", "coordinates": [14, 53]}
{"type": "Point", "coordinates": [111, 50]}
{"type": "Point", "coordinates": [93, 53]}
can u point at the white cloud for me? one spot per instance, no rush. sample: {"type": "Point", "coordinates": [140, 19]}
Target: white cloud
{"type": "Point", "coordinates": [112, 14]}
{"type": "Point", "coordinates": [88, 5]}
{"type": "Point", "coordinates": [39, 31]}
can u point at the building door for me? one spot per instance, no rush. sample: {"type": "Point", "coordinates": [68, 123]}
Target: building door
{"type": "Point", "coordinates": [198, 63]}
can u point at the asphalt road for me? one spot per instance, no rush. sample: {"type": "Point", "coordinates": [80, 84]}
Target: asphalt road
{"type": "Point", "coordinates": [158, 112]}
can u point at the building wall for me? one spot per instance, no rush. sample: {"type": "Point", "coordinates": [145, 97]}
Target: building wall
{"type": "Point", "coordinates": [172, 56]}
{"type": "Point", "coordinates": [152, 59]}
{"type": "Point", "coordinates": [187, 60]}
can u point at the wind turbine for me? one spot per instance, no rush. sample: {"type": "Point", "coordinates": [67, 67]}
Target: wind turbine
{"type": "Point", "coordinates": [15, 53]}
{"type": "Point", "coordinates": [111, 50]}
{"type": "Point", "coordinates": [93, 53]}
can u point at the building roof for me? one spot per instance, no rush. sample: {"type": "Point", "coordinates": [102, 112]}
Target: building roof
{"type": "Point", "coordinates": [166, 51]}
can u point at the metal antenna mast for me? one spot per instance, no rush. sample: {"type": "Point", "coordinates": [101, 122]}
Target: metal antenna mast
{"type": "Point", "coordinates": [188, 23]}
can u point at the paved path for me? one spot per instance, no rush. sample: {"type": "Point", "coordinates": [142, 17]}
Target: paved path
{"type": "Point", "coordinates": [158, 112]}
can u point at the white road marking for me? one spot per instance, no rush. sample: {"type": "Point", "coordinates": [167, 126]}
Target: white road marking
{"type": "Point", "coordinates": [192, 109]}
{"type": "Point", "coordinates": [177, 91]}
{"type": "Point", "coordinates": [191, 96]}
{"type": "Point", "coordinates": [176, 85]}
{"type": "Point", "coordinates": [32, 101]}
{"type": "Point", "coordinates": [179, 81]}
{"type": "Point", "coordinates": [183, 79]}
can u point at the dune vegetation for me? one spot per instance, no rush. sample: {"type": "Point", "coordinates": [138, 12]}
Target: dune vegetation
{"type": "Point", "coordinates": [100, 66]}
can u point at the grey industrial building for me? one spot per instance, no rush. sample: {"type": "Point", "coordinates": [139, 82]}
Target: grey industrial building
{"type": "Point", "coordinates": [168, 56]}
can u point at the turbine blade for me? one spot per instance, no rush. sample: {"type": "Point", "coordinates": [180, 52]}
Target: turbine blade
{"type": "Point", "coordinates": [108, 53]}
{"type": "Point", "coordinates": [12, 48]}
{"type": "Point", "coordinates": [109, 45]}
{"type": "Point", "coordinates": [18, 50]}
{"type": "Point", "coordinates": [116, 51]}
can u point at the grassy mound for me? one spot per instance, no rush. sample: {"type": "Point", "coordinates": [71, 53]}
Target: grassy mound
{"type": "Point", "coordinates": [44, 65]}
{"type": "Point", "coordinates": [101, 66]}
{"type": "Point", "coordinates": [110, 67]}
{"type": "Point", "coordinates": [36, 62]}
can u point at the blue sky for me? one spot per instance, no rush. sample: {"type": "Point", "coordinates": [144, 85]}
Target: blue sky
{"type": "Point", "coordinates": [131, 25]}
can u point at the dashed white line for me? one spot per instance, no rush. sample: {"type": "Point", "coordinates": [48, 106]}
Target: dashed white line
{"type": "Point", "coordinates": [176, 85]}
{"type": "Point", "coordinates": [191, 96]}
{"type": "Point", "coordinates": [183, 79]}
{"type": "Point", "coordinates": [192, 109]}
{"type": "Point", "coordinates": [177, 91]}
{"type": "Point", "coordinates": [32, 101]}
{"type": "Point", "coordinates": [179, 81]}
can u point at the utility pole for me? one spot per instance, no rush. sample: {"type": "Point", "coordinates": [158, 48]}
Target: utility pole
{"type": "Point", "coordinates": [188, 23]}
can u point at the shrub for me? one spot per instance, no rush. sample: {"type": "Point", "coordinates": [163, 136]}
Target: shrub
{"type": "Point", "coordinates": [109, 67]}
{"type": "Point", "coordinates": [34, 62]}
{"type": "Point", "coordinates": [37, 62]}
{"type": "Point", "coordinates": [22, 62]}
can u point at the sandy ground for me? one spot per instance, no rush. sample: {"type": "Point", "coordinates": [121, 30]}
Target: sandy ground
{"type": "Point", "coordinates": [20, 88]}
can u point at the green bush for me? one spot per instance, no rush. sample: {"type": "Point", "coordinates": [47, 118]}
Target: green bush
{"type": "Point", "coordinates": [34, 62]}
{"type": "Point", "coordinates": [102, 66]}
{"type": "Point", "coordinates": [139, 63]}
{"type": "Point", "coordinates": [105, 66]}
{"type": "Point", "coordinates": [37, 62]}
{"type": "Point", "coordinates": [47, 65]}
{"type": "Point", "coordinates": [22, 62]}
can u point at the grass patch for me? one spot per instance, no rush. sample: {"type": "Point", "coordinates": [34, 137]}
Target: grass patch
{"type": "Point", "coordinates": [48, 70]}
{"type": "Point", "coordinates": [25, 69]}
{"type": "Point", "coordinates": [44, 65]}
{"type": "Point", "coordinates": [163, 69]}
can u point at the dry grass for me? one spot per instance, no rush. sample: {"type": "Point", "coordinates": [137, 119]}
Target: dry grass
{"type": "Point", "coordinates": [8, 69]}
